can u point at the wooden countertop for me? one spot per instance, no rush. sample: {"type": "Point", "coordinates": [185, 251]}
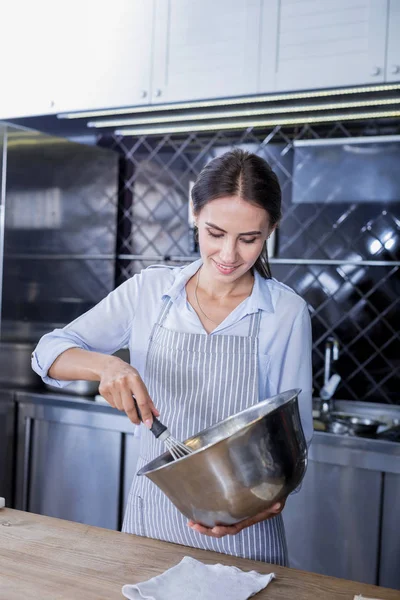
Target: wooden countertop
{"type": "Point", "coordinates": [43, 558]}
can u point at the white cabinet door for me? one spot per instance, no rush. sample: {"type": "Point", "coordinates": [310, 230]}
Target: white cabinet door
{"type": "Point", "coordinates": [393, 47]}
{"type": "Point", "coordinates": [206, 49]}
{"type": "Point", "coordinates": [332, 43]}
{"type": "Point", "coordinates": [106, 58]}
{"type": "Point", "coordinates": [28, 58]}
{"type": "Point", "coordinates": [268, 45]}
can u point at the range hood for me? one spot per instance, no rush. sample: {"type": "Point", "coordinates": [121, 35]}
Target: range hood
{"type": "Point", "coordinates": [348, 170]}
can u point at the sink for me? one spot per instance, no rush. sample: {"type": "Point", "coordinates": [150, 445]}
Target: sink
{"type": "Point", "coordinates": [387, 414]}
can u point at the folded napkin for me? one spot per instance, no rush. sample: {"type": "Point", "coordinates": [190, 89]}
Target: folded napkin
{"type": "Point", "coordinates": [192, 579]}
{"type": "Point", "coordinates": [360, 597]}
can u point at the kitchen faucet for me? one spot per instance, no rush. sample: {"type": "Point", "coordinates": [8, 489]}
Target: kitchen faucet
{"type": "Point", "coordinates": [330, 381]}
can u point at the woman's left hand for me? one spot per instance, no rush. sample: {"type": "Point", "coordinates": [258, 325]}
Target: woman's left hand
{"type": "Point", "coordinates": [220, 531]}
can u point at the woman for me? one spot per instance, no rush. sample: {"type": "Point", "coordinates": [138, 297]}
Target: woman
{"type": "Point", "coordinates": [205, 341]}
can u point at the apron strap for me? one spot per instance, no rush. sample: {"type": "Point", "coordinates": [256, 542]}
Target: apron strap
{"type": "Point", "coordinates": [166, 305]}
{"type": "Point", "coordinates": [254, 326]}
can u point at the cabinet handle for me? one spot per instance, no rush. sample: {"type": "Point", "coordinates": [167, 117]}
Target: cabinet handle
{"type": "Point", "coordinates": [376, 71]}
{"type": "Point", "coordinates": [143, 94]}
{"type": "Point", "coordinates": [158, 93]}
{"type": "Point", "coordinates": [395, 69]}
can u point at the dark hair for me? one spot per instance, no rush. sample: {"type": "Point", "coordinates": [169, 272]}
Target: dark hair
{"type": "Point", "coordinates": [240, 173]}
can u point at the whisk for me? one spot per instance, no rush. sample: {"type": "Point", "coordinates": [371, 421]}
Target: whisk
{"type": "Point", "coordinates": [162, 433]}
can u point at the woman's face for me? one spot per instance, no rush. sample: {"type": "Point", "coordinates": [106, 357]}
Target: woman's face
{"type": "Point", "coordinates": [231, 236]}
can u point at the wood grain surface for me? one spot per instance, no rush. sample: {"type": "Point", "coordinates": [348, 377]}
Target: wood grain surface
{"type": "Point", "coordinates": [43, 558]}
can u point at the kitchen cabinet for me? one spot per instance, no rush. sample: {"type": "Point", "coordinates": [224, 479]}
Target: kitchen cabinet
{"type": "Point", "coordinates": [389, 574]}
{"type": "Point", "coordinates": [332, 523]}
{"type": "Point", "coordinates": [89, 55]}
{"type": "Point", "coordinates": [28, 57]}
{"type": "Point", "coordinates": [393, 42]}
{"type": "Point", "coordinates": [330, 44]}
{"type": "Point", "coordinates": [107, 53]}
{"type": "Point", "coordinates": [94, 55]}
{"type": "Point", "coordinates": [343, 520]}
{"type": "Point", "coordinates": [70, 460]}
{"type": "Point", "coordinates": [7, 445]}
{"type": "Point", "coordinates": [205, 49]}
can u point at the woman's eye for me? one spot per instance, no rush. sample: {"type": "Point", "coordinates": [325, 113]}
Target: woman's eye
{"type": "Point", "coordinates": [215, 235]}
{"type": "Point", "coordinates": [249, 241]}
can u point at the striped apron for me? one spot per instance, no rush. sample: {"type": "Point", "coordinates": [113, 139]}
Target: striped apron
{"type": "Point", "coordinates": [197, 380]}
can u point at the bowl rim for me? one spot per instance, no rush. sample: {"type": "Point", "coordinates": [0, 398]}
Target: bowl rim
{"type": "Point", "coordinates": [290, 396]}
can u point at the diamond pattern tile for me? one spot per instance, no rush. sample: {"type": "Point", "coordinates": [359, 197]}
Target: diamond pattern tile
{"type": "Point", "coordinates": [358, 304]}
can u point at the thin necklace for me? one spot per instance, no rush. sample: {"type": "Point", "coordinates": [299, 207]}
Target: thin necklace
{"type": "Point", "coordinates": [197, 300]}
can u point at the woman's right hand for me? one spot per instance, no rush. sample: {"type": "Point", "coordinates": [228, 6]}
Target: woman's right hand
{"type": "Point", "coordinates": [119, 383]}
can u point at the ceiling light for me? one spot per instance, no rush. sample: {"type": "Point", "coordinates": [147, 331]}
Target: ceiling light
{"type": "Point", "coordinates": [389, 244]}
{"type": "Point", "coordinates": [348, 141]}
{"type": "Point", "coordinates": [233, 125]}
{"type": "Point", "coordinates": [375, 246]}
{"type": "Point", "coordinates": [229, 101]}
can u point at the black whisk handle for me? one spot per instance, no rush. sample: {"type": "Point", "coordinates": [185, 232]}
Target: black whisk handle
{"type": "Point", "coordinates": [157, 428]}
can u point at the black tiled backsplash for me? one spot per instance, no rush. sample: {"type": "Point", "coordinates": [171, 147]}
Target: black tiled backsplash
{"type": "Point", "coordinates": [357, 304]}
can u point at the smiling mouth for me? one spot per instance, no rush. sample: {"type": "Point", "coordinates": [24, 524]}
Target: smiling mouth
{"type": "Point", "coordinates": [226, 268]}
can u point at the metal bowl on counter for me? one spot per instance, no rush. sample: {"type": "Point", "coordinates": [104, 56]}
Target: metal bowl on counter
{"type": "Point", "coordinates": [345, 423]}
{"type": "Point", "coordinates": [240, 466]}
{"type": "Point", "coordinates": [15, 365]}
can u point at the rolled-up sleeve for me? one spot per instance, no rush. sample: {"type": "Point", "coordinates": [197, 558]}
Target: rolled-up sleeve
{"type": "Point", "coordinates": [105, 328]}
{"type": "Point", "coordinates": [296, 368]}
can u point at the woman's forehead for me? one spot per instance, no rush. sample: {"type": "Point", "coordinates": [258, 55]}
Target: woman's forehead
{"type": "Point", "coordinates": [236, 211]}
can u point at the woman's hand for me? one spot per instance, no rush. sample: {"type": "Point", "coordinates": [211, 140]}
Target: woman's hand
{"type": "Point", "coordinates": [220, 531]}
{"type": "Point", "coordinates": [119, 382]}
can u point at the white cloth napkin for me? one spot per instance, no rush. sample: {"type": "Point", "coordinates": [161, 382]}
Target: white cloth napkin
{"type": "Point", "coordinates": [191, 579]}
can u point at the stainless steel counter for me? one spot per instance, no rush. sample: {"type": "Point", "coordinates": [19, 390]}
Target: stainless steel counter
{"type": "Point", "coordinates": [344, 522]}
{"type": "Point", "coordinates": [86, 406]}
{"type": "Point", "coordinates": [75, 459]}
{"type": "Point", "coordinates": [360, 452]}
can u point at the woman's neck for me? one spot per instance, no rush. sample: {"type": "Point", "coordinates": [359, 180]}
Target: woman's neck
{"type": "Point", "coordinates": [219, 290]}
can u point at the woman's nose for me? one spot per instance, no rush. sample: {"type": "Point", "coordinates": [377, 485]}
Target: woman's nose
{"type": "Point", "coordinates": [228, 253]}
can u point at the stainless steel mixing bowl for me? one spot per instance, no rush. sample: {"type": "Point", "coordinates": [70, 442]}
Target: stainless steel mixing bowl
{"type": "Point", "coordinates": [240, 466]}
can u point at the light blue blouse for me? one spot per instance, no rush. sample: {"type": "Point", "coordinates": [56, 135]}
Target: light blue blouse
{"type": "Point", "coordinates": [127, 315]}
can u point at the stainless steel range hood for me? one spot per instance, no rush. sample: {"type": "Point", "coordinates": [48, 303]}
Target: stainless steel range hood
{"type": "Point", "coordinates": [348, 170]}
